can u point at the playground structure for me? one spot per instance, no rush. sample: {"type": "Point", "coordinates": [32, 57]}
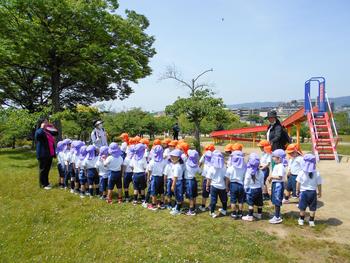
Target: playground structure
{"type": "Point", "coordinates": [319, 117]}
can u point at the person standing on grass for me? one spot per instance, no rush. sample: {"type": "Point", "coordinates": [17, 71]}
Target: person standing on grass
{"type": "Point", "coordinates": [176, 130]}
{"type": "Point", "coordinates": [275, 131]}
{"type": "Point", "coordinates": [45, 150]}
{"type": "Point", "coordinates": [98, 135]}
{"type": "Point", "coordinates": [191, 186]}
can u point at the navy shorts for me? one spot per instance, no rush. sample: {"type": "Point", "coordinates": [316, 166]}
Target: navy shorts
{"type": "Point", "coordinates": [266, 173]}
{"type": "Point", "coordinates": [191, 188]}
{"type": "Point", "coordinates": [77, 172]}
{"type": "Point", "coordinates": [82, 177]}
{"type": "Point", "coordinates": [205, 193]}
{"type": "Point", "coordinates": [157, 185]}
{"type": "Point", "coordinates": [214, 193]}
{"type": "Point", "coordinates": [292, 184]}
{"type": "Point", "coordinates": [169, 183]}
{"type": "Point", "coordinates": [277, 193]}
{"type": "Point", "coordinates": [254, 197]}
{"type": "Point", "coordinates": [61, 170]}
{"type": "Point", "coordinates": [139, 181]}
{"type": "Point", "coordinates": [114, 179]}
{"type": "Point", "coordinates": [127, 180]}
{"type": "Point", "coordinates": [308, 198]}
{"type": "Point", "coordinates": [236, 193]}
{"type": "Point", "coordinates": [103, 184]}
{"type": "Point", "coordinates": [179, 193]}
{"type": "Point", "coordinates": [92, 176]}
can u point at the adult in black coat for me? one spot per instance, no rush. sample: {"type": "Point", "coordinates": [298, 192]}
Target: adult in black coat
{"type": "Point", "coordinates": [45, 150]}
{"type": "Point", "coordinates": [275, 131]}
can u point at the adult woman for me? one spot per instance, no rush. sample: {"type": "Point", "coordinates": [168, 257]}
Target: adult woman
{"type": "Point", "coordinates": [275, 131]}
{"type": "Point", "coordinates": [45, 150]}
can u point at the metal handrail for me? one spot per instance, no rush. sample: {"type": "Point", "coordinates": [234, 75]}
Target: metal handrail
{"type": "Point", "coordinates": [313, 118]}
{"type": "Point", "coordinates": [332, 117]}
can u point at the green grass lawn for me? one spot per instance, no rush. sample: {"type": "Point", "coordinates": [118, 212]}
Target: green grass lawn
{"type": "Point", "coordinates": [56, 226]}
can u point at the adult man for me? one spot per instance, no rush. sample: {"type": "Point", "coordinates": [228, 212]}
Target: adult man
{"type": "Point", "coordinates": [176, 130]}
{"type": "Point", "coordinates": [98, 134]}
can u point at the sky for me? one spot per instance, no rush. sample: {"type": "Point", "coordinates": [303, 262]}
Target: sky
{"type": "Point", "coordinates": [260, 50]}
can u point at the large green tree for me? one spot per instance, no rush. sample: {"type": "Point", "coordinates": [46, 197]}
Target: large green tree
{"type": "Point", "coordinates": [60, 53]}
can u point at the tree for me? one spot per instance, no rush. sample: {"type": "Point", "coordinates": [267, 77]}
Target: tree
{"type": "Point", "coordinates": [201, 105]}
{"type": "Point", "coordinates": [60, 53]}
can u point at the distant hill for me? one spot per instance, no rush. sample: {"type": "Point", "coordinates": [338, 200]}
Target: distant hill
{"type": "Point", "coordinates": [339, 101]}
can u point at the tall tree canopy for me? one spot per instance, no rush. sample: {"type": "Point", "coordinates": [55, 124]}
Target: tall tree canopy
{"type": "Point", "coordinates": [60, 53]}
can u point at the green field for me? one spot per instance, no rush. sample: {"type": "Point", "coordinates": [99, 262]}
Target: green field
{"type": "Point", "coordinates": [56, 226]}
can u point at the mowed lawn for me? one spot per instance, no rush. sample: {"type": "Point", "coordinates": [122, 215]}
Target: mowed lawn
{"type": "Point", "coordinates": [56, 226]}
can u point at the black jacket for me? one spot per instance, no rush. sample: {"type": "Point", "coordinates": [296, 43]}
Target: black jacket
{"type": "Point", "coordinates": [42, 145]}
{"type": "Point", "coordinates": [275, 136]}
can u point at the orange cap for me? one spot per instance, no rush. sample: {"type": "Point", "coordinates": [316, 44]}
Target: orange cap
{"type": "Point", "coordinates": [137, 139]}
{"type": "Point", "coordinates": [181, 141]}
{"type": "Point", "coordinates": [263, 143]}
{"type": "Point", "coordinates": [268, 149]}
{"type": "Point", "coordinates": [144, 141]}
{"type": "Point", "coordinates": [293, 147]}
{"type": "Point", "coordinates": [238, 146]}
{"type": "Point", "coordinates": [166, 141]}
{"type": "Point", "coordinates": [173, 143]}
{"type": "Point", "coordinates": [183, 146]}
{"type": "Point", "coordinates": [209, 147]}
{"type": "Point", "coordinates": [157, 142]}
{"type": "Point", "coordinates": [228, 147]}
{"type": "Point", "coordinates": [124, 136]}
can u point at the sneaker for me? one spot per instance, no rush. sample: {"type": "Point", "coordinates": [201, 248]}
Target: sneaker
{"type": "Point", "coordinates": [169, 207]}
{"type": "Point", "coordinates": [175, 212]}
{"type": "Point", "coordinates": [234, 216]}
{"type": "Point", "coordinates": [152, 207]}
{"type": "Point", "coordinates": [248, 218]}
{"type": "Point", "coordinates": [239, 215]}
{"type": "Point", "coordinates": [87, 194]}
{"type": "Point", "coordinates": [285, 201]}
{"type": "Point", "coordinates": [213, 215]}
{"type": "Point", "coordinates": [144, 205]}
{"type": "Point", "coordinates": [76, 192]}
{"type": "Point", "coordinates": [48, 187]}
{"type": "Point", "coordinates": [102, 197]}
{"type": "Point", "coordinates": [275, 220]}
{"type": "Point", "coordinates": [222, 211]}
{"type": "Point", "coordinates": [109, 201]}
{"type": "Point", "coordinates": [300, 222]}
{"type": "Point", "coordinates": [65, 188]}
{"type": "Point", "coordinates": [312, 223]}
{"type": "Point", "coordinates": [134, 202]}
{"type": "Point", "coordinates": [257, 216]}
{"type": "Point", "coordinates": [82, 196]}
{"type": "Point", "coordinates": [191, 213]}
{"type": "Point", "coordinates": [202, 208]}
{"type": "Point", "coordinates": [72, 191]}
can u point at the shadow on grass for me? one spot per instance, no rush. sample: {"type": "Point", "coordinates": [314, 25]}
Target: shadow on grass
{"type": "Point", "coordinates": [329, 222]}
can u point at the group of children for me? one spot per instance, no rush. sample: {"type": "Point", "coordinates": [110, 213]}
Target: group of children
{"type": "Point", "coordinates": [169, 172]}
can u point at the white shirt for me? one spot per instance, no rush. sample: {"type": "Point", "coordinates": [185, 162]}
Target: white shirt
{"type": "Point", "coordinates": [279, 170]}
{"type": "Point", "coordinates": [250, 183]}
{"type": "Point", "coordinates": [102, 170]}
{"type": "Point", "coordinates": [294, 165]}
{"type": "Point", "coordinates": [88, 164]}
{"type": "Point", "coordinates": [201, 160]}
{"type": "Point", "coordinates": [166, 153]}
{"type": "Point", "coordinates": [265, 159]}
{"type": "Point", "coordinates": [124, 146]}
{"type": "Point", "coordinates": [156, 168]}
{"type": "Point", "coordinates": [191, 172]}
{"type": "Point", "coordinates": [113, 164]}
{"type": "Point", "coordinates": [168, 171]}
{"type": "Point", "coordinates": [217, 177]}
{"type": "Point", "coordinates": [236, 175]}
{"type": "Point", "coordinates": [177, 171]}
{"type": "Point", "coordinates": [139, 166]}
{"type": "Point", "coordinates": [99, 137]}
{"type": "Point", "coordinates": [307, 183]}
{"type": "Point", "coordinates": [60, 158]}
{"type": "Point", "coordinates": [126, 163]}
{"type": "Point", "coordinates": [67, 157]}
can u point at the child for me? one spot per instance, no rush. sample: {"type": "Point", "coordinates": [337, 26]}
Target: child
{"type": "Point", "coordinates": [309, 186]}
{"type": "Point", "coordinates": [155, 171]}
{"type": "Point", "coordinates": [253, 184]}
{"type": "Point", "coordinates": [166, 148]}
{"type": "Point", "coordinates": [192, 168]}
{"type": "Point", "coordinates": [177, 184]}
{"type": "Point", "coordinates": [277, 178]}
{"type": "Point", "coordinates": [265, 162]}
{"type": "Point", "coordinates": [102, 171]}
{"type": "Point", "coordinates": [234, 183]}
{"type": "Point", "coordinates": [139, 166]}
{"type": "Point", "coordinates": [68, 165]}
{"type": "Point", "coordinates": [60, 163]}
{"type": "Point", "coordinates": [113, 164]}
{"type": "Point", "coordinates": [168, 181]}
{"type": "Point", "coordinates": [294, 167]}
{"type": "Point", "coordinates": [82, 172]}
{"type": "Point", "coordinates": [206, 165]}
{"type": "Point", "coordinates": [76, 164]}
{"type": "Point", "coordinates": [125, 137]}
{"type": "Point", "coordinates": [91, 172]}
{"type": "Point", "coordinates": [216, 183]}
{"type": "Point", "coordinates": [127, 171]}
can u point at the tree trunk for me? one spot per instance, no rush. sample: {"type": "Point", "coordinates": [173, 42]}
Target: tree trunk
{"type": "Point", "coordinates": [55, 93]}
{"type": "Point", "coordinates": [197, 136]}
{"type": "Point", "coordinates": [13, 142]}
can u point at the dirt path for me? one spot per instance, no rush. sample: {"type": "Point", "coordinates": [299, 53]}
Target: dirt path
{"type": "Point", "coordinates": [334, 206]}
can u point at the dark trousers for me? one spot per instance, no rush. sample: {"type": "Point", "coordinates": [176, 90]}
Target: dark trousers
{"type": "Point", "coordinates": [44, 169]}
{"type": "Point", "coordinates": [176, 135]}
